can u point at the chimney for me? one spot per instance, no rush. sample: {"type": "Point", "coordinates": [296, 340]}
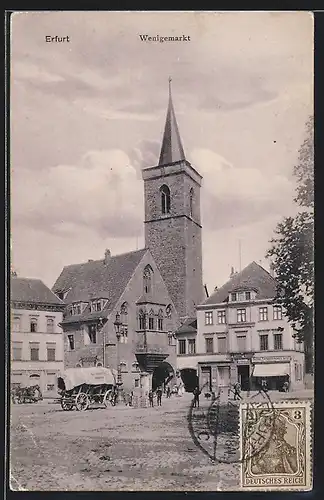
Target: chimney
{"type": "Point", "coordinates": [206, 291]}
{"type": "Point", "coordinates": [107, 256]}
{"type": "Point", "coordinates": [216, 288]}
{"type": "Point", "coordinates": [232, 272]}
{"type": "Point", "coordinates": [272, 269]}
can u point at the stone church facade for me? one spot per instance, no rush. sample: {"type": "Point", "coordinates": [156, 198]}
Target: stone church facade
{"type": "Point", "coordinates": [154, 290]}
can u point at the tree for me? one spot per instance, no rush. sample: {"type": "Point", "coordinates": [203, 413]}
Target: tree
{"type": "Point", "coordinates": [292, 252]}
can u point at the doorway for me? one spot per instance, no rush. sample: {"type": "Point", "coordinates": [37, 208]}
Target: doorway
{"type": "Point", "coordinates": [244, 377]}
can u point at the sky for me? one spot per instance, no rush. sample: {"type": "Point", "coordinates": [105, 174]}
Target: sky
{"type": "Point", "coordinates": [87, 115]}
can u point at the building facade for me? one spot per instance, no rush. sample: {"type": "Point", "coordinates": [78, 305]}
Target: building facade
{"type": "Point", "coordinates": [37, 351]}
{"type": "Point", "coordinates": [242, 336]}
{"type": "Point", "coordinates": [128, 284]}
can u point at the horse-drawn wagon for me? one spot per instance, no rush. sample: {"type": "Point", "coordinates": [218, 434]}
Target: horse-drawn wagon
{"type": "Point", "coordinates": [81, 387]}
{"type": "Point", "coordinates": [30, 394]}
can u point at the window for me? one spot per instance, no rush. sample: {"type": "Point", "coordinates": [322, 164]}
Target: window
{"type": "Point", "coordinates": [234, 297]}
{"type": "Point", "coordinates": [33, 325]}
{"type": "Point", "coordinates": [34, 354]}
{"type": "Point", "coordinates": [209, 345]}
{"type": "Point", "coordinates": [50, 353]}
{"type": "Point", "coordinates": [241, 343]}
{"type": "Point", "coordinates": [123, 366]}
{"type": "Point", "coordinates": [92, 332]}
{"type": "Point", "coordinates": [277, 312]}
{"type": "Point", "coordinates": [277, 341]}
{"type": "Point", "coordinates": [165, 199]}
{"type": "Point", "coordinates": [17, 351]}
{"type": "Point", "coordinates": [221, 317]}
{"type": "Point", "coordinates": [209, 318]}
{"type": "Point", "coordinates": [71, 342]}
{"type": "Point", "coordinates": [50, 325]}
{"type": "Point", "coordinates": [16, 324]}
{"type": "Point", "coordinates": [263, 314]}
{"type": "Point", "coordinates": [248, 295]}
{"type": "Point", "coordinates": [192, 346]}
{"type": "Point", "coordinates": [76, 309]}
{"type": "Point", "coordinates": [147, 279]}
{"type": "Point", "coordinates": [151, 322]}
{"type": "Point", "coordinates": [50, 387]}
{"type": "Point", "coordinates": [222, 343]}
{"type": "Point", "coordinates": [241, 315]}
{"type": "Point", "coordinates": [141, 320]}
{"type": "Point", "coordinates": [168, 311]}
{"type": "Point", "coordinates": [182, 346]}
{"type": "Point", "coordinates": [191, 198]}
{"type": "Point", "coordinates": [298, 372]}
{"type": "Point", "coordinates": [136, 382]}
{"type": "Point", "coordinates": [264, 342]}
{"type": "Point", "coordinates": [124, 335]}
{"type": "Point", "coordinates": [160, 320]}
{"type": "Point", "coordinates": [95, 306]}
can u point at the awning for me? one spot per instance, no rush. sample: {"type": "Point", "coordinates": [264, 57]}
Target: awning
{"type": "Point", "coordinates": [271, 370]}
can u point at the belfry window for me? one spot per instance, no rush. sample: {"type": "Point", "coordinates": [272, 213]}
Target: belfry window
{"type": "Point", "coordinates": [191, 199]}
{"type": "Point", "coordinates": [165, 199]}
{"type": "Point", "coordinates": [147, 279]}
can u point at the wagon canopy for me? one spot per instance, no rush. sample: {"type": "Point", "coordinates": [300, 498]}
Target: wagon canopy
{"type": "Point", "coordinates": [73, 377]}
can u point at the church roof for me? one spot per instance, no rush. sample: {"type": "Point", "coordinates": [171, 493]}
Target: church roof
{"type": "Point", "coordinates": [172, 149]}
{"type": "Point", "coordinates": [97, 279]}
{"type": "Point", "coordinates": [252, 277]}
{"type": "Point", "coordinates": [32, 290]}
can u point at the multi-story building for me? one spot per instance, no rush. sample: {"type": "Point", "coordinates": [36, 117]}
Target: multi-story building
{"type": "Point", "coordinates": [242, 336]}
{"type": "Point", "coordinates": [36, 336]}
{"type": "Point", "coordinates": [154, 289]}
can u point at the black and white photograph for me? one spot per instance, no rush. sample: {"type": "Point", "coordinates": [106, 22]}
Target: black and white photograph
{"type": "Point", "coordinates": [161, 280]}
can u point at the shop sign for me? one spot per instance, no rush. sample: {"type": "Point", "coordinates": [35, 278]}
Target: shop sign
{"type": "Point", "coordinates": [272, 359]}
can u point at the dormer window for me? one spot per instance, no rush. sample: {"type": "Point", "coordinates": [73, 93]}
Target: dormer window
{"type": "Point", "coordinates": [242, 296]}
{"type": "Point", "coordinates": [96, 305]}
{"type": "Point", "coordinates": [76, 308]}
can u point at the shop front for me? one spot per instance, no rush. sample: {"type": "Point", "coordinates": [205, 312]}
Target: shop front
{"type": "Point", "coordinates": [278, 372]}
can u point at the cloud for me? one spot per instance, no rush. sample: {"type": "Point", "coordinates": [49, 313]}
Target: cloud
{"type": "Point", "coordinates": [234, 196]}
{"type": "Point", "coordinates": [101, 192]}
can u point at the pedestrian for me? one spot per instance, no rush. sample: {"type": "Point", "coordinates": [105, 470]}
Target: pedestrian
{"type": "Point", "coordinates": [151, 399]}
{"type": "Point", "coordinates": [168, 392]}
{"type": "Point", "coordinates": [237, 391]}
{"type": "Point", "coordinates": [159, 396]}
{"type": "Point", "coordinates": [196, 394]}
{"type": "Point", "coordinates": [264, 385]}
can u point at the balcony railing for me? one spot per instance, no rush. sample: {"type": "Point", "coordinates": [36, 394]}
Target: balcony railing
{"type": "Point", "coordinates": [154, 343]}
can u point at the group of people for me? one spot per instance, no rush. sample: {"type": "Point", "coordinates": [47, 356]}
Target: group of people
{"type": "Point", "coordinates": [159, 393]}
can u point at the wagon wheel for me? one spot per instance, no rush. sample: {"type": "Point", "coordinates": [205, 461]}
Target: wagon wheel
{"type": "Point", "coordinates": [107, 398]}
{"type": "Point", "coordinates": [66, 405]}
{"type": "Point", "coordinates": [81, 401]}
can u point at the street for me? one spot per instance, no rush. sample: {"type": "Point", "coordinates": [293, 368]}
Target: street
{"type": "Point", "coordinates": [118, 448]}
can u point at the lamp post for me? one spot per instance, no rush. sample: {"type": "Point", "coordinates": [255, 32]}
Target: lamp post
{"type": "Point", "coordinates": [120, 391]}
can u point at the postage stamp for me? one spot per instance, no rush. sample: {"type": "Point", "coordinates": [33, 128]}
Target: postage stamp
{"type": "Point", "coordinates": [276, 449]}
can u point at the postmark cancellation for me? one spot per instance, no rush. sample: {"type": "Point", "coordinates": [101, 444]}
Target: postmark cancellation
{"type": "Point", "coordinates": [276, 447]}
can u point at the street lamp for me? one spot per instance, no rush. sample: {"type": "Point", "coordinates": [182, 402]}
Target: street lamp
{"type": "Point", "coordinates": [120, 391]}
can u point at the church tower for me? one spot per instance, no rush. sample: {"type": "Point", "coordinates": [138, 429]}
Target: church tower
{"type": "Point", "coordinates": [172, 219]}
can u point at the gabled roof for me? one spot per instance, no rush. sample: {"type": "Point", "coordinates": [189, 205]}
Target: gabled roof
{"type": "Point", "coordinates": [252, 277]}
{"type": "Point", "coordinates": [172, 149]}
{"type": "Point", "coordinates": [95, 279]}
{"type": "Point", "coordinates": [32, 290]}
{"type": "Point", "coordinates": [188, 326]}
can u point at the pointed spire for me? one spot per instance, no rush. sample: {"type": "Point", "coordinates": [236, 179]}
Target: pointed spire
{"type": "Point", "coordinates": [171, 150]}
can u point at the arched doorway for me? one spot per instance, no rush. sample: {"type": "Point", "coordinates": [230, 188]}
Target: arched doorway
{"type": "Point", "coordinates": [189, 378]}
{"type": "Point", "coordinates": [162, 375]}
